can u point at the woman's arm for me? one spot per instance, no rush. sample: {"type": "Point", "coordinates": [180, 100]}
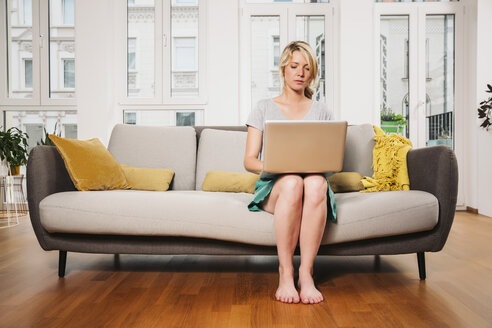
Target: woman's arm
{"type": "Point", "coordinates": [253, 147]}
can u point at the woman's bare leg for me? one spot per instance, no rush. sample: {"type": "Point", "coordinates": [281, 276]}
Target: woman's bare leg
{"type": "Point", "coordinates": [285, 203]}
{"type": "Point", "coordinates": [312, 228]}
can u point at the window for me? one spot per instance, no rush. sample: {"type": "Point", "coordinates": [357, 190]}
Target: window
{"type": "Point", "coordinates": [163, 117]}
{"type": "Point", "coordinates": [62, 46]}
{"type": "Point", "coordinates": [28, 73]}
{"type": "Point", "coordinates": [27, 8]}
{"type": "Point", "coordinates": [184, 31]}
{"type": "Point", "coordinates": [68, 12]}
{"type": "Point", "coordinates": [37, 123]}
{"type": "Point", "coordinates": [69, 73]}
{"type": "Point", "coordinates": [36, 134]}
{"type": "Point", "coordinates": [130, 118]}
{"type": "Point", "coordinates": [70, 131]}
{"type": "Point", "coordinates": [18, 46]}
{"type": "Point", "coordinates": [132, 45]}
{"type": "Point", "coordinates": [39, 70]}
{"type": "Point", "coordinates": [186, 2]}
{"type": "Point", "coordinates": [417, 0]}
{"type": "Point", "coordinates": [165, 66]}
{"type": "Point", "coordinates": [184, 49]}
{"type": "Point", "coordinates": [185, 119]}
{"type": "Point", "coordinates": [140, 25]}
{"type": "Point", "coordinates": [276, 51]}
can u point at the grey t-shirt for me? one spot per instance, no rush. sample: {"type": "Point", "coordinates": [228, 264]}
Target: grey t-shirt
{"type": "Point", "coordinates": [267, 109]}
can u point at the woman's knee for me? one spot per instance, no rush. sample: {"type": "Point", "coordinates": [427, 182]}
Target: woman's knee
{"type": "Point", "coordinates": [291, 188]}
{"type": "Point", "coordinates": [315, 188]}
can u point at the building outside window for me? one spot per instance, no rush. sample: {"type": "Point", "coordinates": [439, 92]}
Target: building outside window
{"type": "Point", "coordinates": [28, 73]}
{"type": "Point", "coordinates": [68, 12]}
{"type": "Point", "coordinates": [69, 73]}
{"type": "Point", "coordinates": [27, 9]}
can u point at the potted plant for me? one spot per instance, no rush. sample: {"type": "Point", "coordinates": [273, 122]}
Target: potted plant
{"type": "Point", "coordinates": [47, 141]}
{"type": "Point", "coordinates": [485, 110]}
{"type": "Point", "coordinates": [391, 122]}
{"type": "Point", "coordinates": [13, 148]}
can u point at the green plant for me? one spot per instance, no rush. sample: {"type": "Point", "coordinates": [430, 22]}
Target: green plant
{"type": "Point", "coordinates": [47, 141]}
{"type": "Point", "coordinates": [485, 110]}
{"type": "Point", "coordinates": [13, 146]}
{"type": "Point", "coordinates": [388, 115]}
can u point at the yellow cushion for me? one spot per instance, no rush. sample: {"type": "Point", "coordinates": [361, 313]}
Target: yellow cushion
{"type": "Point", "coordinates": [90, 165]}
{"type": "Point", "coordinates": [148, 179]}
{"type": "Point", "coordinates": [230, 181]}
{"type": "Point", "coordinates": [346, 182]}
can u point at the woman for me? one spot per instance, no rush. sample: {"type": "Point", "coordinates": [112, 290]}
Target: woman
{"type": "Point", "coordinates": [299, 202]}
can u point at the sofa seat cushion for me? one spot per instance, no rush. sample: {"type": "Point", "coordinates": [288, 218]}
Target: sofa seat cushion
{"type": "Point", "coordinates": [225, 216]}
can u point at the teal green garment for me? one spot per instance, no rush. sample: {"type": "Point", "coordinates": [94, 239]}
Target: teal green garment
{"type": "Point", "coordinates": [264, 186]}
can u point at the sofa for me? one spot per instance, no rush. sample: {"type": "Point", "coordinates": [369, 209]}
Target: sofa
{"type": "Point", "coordinates": [187, 220]}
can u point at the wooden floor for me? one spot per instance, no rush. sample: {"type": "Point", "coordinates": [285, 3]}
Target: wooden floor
{"type": "Point", "coordinates": [231, 291]}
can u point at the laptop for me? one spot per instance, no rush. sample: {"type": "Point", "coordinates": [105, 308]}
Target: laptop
{"type": "Point", "coordinates": [297, 146]}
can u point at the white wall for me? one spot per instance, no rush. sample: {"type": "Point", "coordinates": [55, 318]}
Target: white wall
{"type": "Point", "coordinates": [222, 63]}
{"type": "Point", "coordinates": [356, 53]}
{"type": "Point", "coordinates": [484, 77]}
{"type": "Point", "coordinates": [470, 160]}
{"type": "Point", "coordinates": [94, 39]}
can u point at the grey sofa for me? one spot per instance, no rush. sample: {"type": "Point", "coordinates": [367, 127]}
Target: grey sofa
{"type": "Point", "coordinates": [186, 220]}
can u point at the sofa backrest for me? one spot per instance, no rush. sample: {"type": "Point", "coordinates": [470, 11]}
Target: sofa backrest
{"type": "Point", "coordinates": [219, 150]}
{"type": "Point", "coordinates": [157, 147]}
{"type": "Point", "coordinates": [222, 150]}
{"type": "Point", "coordinates": [359, 145]}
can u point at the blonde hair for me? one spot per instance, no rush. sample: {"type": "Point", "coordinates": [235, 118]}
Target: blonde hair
{"type": "Point", "coordinates": [305, 49]}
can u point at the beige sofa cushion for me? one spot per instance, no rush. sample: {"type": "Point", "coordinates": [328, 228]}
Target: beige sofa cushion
{"type": "Point", "coordinates": [220, 150]}
{"type": "Point", "coordinates": [225, 216]}
{"type": "Point", "coordinates": [158, 148]}
{"type": "Point", "coordinates": [359, 144]}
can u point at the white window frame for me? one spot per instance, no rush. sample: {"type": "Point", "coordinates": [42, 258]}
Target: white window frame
{"type": "Point", "coordinates": [162, 60]}
{"type": "Point", "coordinates": [417, 12]}
{"type": "Point", "coordinates": [287, 12]}
{"type": "Point", "coordinates": [40, 65]}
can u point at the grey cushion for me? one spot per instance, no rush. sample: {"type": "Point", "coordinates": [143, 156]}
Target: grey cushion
{"type": "Point", "coordinates": [220, 150]}
{"type": "Point", "coordinates": [358, 149]}
{"type": "Point", "coordinates": [225, 216]}
{"type": "Point", "coordinates": [157, 147]}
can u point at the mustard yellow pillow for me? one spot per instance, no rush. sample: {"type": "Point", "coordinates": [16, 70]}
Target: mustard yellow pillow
{"type": "Point", "coordinates": [148, 179]}
{"type": "Point", "coordinates": [90, 165]}
{"type": "Point", "coordinates": [230, 182]}
{"type": "Point", "coordinates": [346, 182]}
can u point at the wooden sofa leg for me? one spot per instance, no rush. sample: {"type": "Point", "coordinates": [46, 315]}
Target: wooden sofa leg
{"type": "Point", "coordinates": [421, 261]}
{"type": "Point", "coordinates": [62, 263]}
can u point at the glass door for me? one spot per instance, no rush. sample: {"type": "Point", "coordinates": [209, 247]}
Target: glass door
{"type": "Point", "coordinates": [266, 29]}
{"type": "Point", "coordinates": [420, 74]}
{"type": "Point", "coordinates": [417, 67]}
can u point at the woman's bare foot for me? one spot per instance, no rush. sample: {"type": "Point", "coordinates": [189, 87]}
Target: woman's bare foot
{"type": "Point", "coordinates": [309, 294]}
{"type": "Point", "coordinates": [286, 291]}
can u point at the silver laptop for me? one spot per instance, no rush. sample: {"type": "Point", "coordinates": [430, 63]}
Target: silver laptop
{"type": "Point", "coordinates": [295, 146]}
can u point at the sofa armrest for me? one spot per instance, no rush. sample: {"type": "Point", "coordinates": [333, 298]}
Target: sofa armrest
{"type": "Point", "coordinates": [435, 170]}
{"type": "Point", "coordinates": [46, 175]}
